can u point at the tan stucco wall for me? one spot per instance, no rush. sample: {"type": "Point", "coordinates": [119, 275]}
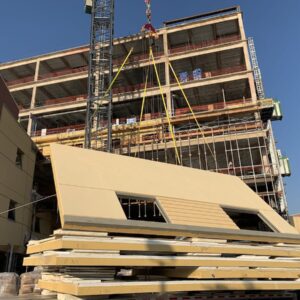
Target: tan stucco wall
{"type": "Point", "coordinates": [15, 182]}
{"type": "Point", "coordinates": [87, 181]}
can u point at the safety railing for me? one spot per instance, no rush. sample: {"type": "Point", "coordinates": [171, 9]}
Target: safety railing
{"type": "Point", "coordinates": [20, 81]}
{"type": "Point", "coordinates": [131, 88]}
{"type": "Point", "coordinates": [205, 44]}
{"type": "Point", "coordinates": [137, 58]}
{"type": "Point", "coordinates": [63, 100]}
{"type": "Point", "coordinates": [219, 130]}
{"type": "Point", "coordinates": [181, 134]}
{"type": "Point", "coordinates": [63, 72]}
{"type": "Point", "coordinates": [65, 129]}
{"type": "Point", "coordinates": [23, 106]}
{"type": "Point", "coordinates": [180, 112]}
{"type": "Point", "coordinates": [214, 106]}
{"type": "Point", "coordinates": [213, 73]}
{"type": "Point", "coordinates": [244, 171]}
{"type": "Point", "coordinates": [208, 74]}
{"type": "Point", "coordinates": [190, 134]}
{"type": "Point", "coordinates": [46, 76]}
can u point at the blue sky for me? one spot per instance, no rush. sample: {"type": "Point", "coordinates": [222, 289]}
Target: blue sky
{"type": "Point", "coordinates": [33, 27]}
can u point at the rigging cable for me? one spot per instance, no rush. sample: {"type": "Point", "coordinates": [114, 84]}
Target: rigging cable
{"type": "Point", "coordinates": [27, 204]}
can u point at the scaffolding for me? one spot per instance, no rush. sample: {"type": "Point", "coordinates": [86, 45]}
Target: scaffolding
{"type": "Point", "coordinates": [240, 146]}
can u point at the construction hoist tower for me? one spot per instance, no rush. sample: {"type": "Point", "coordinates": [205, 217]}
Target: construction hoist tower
{"type": "Point", "coordinates": [256, 69]}
{"type": "Point", "coordinates": [99, 103]}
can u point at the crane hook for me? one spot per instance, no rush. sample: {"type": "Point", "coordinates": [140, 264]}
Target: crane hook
{"type": "Point", "coordinates": [148, 27]}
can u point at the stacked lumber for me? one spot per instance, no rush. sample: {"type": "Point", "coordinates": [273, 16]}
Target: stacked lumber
{"type": "Point", "coordinates": [89, 263]}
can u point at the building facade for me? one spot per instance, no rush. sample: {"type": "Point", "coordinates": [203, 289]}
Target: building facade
{"type": "Point", "coordinates": [225, 126]}
{"type": "Point", "coordinates": [17, 161]}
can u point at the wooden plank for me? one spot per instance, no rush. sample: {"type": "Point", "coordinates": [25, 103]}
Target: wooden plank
{"type": "Point", "coordinates": [164, 229]}
{"type": "Point", "coordinates": [85, 259]}
{"type": "Point", "coordinates": [159, 245]}
{"type": "Point", "coordinates": [84, 289]}
{"type": "Point", "coordinates": [201, 273]}
{"type": "Point", "coordinates": [61, 232]}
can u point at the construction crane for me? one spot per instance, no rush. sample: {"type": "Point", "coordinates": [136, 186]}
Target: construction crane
{"type": "Point", "coordinates": [99, 103]}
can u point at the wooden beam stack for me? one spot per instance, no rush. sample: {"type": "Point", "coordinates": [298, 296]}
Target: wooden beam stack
{"type": "Point", "coordinates": [89, 263]}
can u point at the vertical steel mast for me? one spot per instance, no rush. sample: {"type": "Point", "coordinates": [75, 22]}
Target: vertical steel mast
{"type": "Point", "coordinates": [256, 69]}
{"type": "Point", "coordinates": [99, 103]}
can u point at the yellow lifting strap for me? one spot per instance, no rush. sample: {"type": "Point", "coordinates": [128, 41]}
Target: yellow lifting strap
{"type": "Point", "coordinates": [118, 72]}
{"type": "Point", "coordinates": [165, 106]}
{"type": "Point", "coordinates": [144, 96]}
{"type": "Point", "coordinates": [144, 100]}
{"type": "Point", "coordinates": [116, 77]}
{"type": "Point", "coordinates": [193, 114]}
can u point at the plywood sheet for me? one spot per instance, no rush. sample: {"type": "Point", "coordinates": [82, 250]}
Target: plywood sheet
{"type": "Point", "coordinates": [159, 245]}
{"type": "Point", "coordinates": [111, 260]}
{"type": "Point", "coordinates": [83, 288]}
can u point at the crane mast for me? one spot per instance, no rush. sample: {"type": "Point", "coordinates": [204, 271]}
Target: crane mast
{"type": "Point", "coordinates": [99, 103]}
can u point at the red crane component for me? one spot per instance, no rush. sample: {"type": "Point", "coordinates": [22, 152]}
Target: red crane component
{"type": "Point", "coordinates": [148, 27]}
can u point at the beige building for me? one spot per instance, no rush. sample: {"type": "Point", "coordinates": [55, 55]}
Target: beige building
{"type": "Point", "coordinates": [17, 163]}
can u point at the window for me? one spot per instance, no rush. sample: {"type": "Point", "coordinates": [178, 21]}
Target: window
{"type": "Point", "coordinates": [141, 209]}
{"type": "Point", "coordinates": [247, 220]}
{"type": "Point", "coordinates": [12, 213]}
{"type": "Point", "coordinates": [19, 158]}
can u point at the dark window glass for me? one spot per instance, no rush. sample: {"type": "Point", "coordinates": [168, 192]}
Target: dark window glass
{"type": "Point", "coordinates": [247, 220]}
{"type": "Point", "coordinates": [12, 213]}
{"type": "Point", "coordinates": [19, 158]}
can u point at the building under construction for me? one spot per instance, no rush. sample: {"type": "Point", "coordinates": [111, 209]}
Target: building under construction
{"type": "Point", "coordinates": [204, 69]}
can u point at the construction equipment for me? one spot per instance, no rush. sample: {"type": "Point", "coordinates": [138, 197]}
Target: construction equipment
{"type": "Point", "coordinates": [100, 79]}
{"type": "Point", "coordinates": [256, 69]}
{"type": "Point", "coordinates": [99, 104]}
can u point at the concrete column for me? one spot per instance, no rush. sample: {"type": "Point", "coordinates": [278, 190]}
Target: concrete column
{"type": "Point", "coordinates": [252, 87]}
{"type": "Point", "coordinates": [247, 56]}
{"type": "Point", "coordinates": [36, 77]}
{"type": "Point", "coordinates": [33, 97]}
{"type": "Point", "coordinates": [241, 26]}
{"type": "Point", "coordinates": [29, 126]}
{"type": "Point", "coordinates": [167, 73]}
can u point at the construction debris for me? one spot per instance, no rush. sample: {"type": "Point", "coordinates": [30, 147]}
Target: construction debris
{"type": "Point", "coordinates": [9, 284]}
